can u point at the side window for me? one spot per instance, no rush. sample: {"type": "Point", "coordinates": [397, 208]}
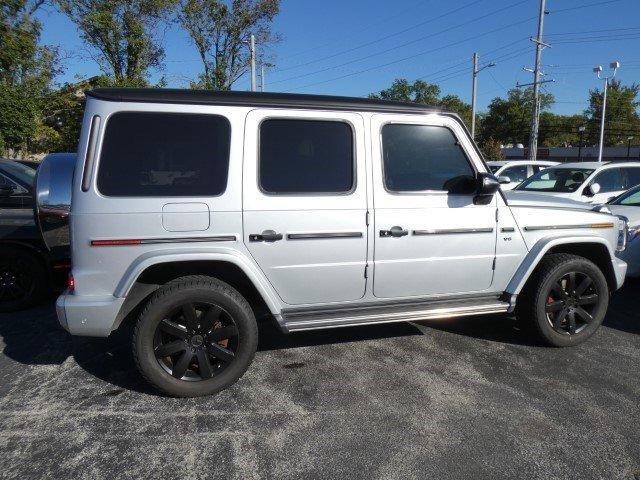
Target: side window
{"type": "Point", "coordinates": [633, 176]}
{"type": "Point", "coordinates": [149, 154]}
{"type": "Point", "coordinates": [306, 157]}
{"type": "Point", "coordinates": [516, 174]}
{"type": "Point", "coordinates": [422, 157]}
{"type": "Point", "coordinates": [610, 180]}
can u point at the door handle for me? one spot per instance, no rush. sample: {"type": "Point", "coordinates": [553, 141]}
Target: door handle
{"type": "Point", "coordinates": [266, 236]}
{"type": "Point", "coordinates": [394, 232]}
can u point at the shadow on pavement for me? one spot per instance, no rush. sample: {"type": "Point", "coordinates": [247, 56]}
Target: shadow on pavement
{"type": "Point", "coordinates": [33, 337]}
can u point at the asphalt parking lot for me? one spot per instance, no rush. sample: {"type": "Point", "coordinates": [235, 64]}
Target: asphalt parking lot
{"type": "Point", "coordinates": [468, 398]}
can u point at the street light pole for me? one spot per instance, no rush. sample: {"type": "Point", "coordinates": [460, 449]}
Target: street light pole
{"type": "Point", "coordinates": [629, 147]}
{"type": "Point", "coordinates": [581, 129]}
{"type": "Point", "coordinates": [598, 71]}
{"type": "Point", "coordinates": [252, 49]}
{"type": "Point", "coordinates": [474, 87]}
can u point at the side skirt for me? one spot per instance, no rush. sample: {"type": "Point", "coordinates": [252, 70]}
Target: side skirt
{"type": "Point", "coordinates": [294, 320]}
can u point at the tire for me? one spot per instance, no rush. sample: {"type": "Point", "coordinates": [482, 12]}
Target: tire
{"type": "Point", "coordinates": [190, 319]}
{"type": "Point", "coordinates": [23, 279]}
{"type": "Point", "coordinates": [565, 300]}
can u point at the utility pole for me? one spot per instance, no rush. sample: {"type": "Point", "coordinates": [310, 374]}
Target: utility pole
{"type": "Point", "coordinates": [262, 78]}
{"type": "Point", "coordinates": [535, 118]}
{"type": "Point", "coordinates": [598, 71]}
{"type": "Point", "coordinates": [252, 49]}
{"type": "Point", "coordinates": [629, 147]}
{"type": "Point", "coordinates": [474, 87]}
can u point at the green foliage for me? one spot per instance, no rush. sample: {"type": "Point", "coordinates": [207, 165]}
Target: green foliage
{"type": "Point", "coordinates": [427, 93]}
{"type": "Point", "coordinates": [26, 71]}
{"type": "Point", "coordinates": [509, 119]}
{"type": "Point", "coordinates": [220, 29]}
{"type": "Point", "coordinates": [491, 149]}
{"type": "Point", "coordinates": [559, 130]}
{"type": "Point", "coordinates": [621, 118]}
{"type": "Point", "coordinates": [123, 35]}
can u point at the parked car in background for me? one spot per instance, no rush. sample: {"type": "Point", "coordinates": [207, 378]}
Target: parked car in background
{"type": "Point", "coordinates": [511, 173]}
{"type": "Point", "coordinates": [194, 212]}
{"type": "Point", "coordinates": [591, 182]}
{"type": "Point", "coordinates": [628, 205]}
{"type": "Point", "coordinates": [28, 267]}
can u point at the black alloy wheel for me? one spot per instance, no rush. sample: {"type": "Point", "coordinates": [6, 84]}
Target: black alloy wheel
{"type": "Point", "coordinates": [23, 279]}
{"type": "Point", "coordinates": [196, 341]}
{"type": "Point", "coordinates": [572, 303]}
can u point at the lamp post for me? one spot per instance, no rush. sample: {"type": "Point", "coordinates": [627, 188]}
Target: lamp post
{"type": "Point", "coordinates": [581, 129]}
{"type": "Point", "coordinates": [598, 71]}
{"type": "Point", "coordinates": [474, 86]}
{"type": "Point", "coordinates": [629, 147]}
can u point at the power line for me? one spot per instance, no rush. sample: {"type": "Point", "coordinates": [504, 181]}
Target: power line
{"type": "Point", "coordinates": [474, 37]}
{"type": "Point", "coordinates": [380, 39]}
{"type": "Point", "coordinates": [402, 45]}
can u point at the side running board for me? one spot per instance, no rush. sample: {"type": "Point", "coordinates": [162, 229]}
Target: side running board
{"type": "Point", "coordinates": [312, 319]}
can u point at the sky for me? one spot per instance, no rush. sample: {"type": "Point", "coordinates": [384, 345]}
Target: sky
{"type": "Point", "coordinates": [355, 47]}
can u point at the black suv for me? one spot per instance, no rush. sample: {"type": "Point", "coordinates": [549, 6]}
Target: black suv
{"type": "Point", "coordinates": [28, 268]}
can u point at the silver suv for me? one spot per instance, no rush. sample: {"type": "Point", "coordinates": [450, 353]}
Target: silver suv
{"type": "Point", "coordinates": [194, 213]}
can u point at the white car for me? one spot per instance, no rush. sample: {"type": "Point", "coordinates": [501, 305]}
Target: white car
{"type": "Point", "coordinates": [511, 173]}
{"type": "Point", "coordinates": [628, 205]}
{"type": "Point", "coordinates": [590, 182]}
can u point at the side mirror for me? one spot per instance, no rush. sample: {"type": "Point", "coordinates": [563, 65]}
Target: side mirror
{"type": "Point", "coordinates": [6, 191]}
{"type": "Point", "coordinates": [486, 187]}
{"type": "Point", "coordinates": [591, 190]}
{"type": "Point", "coordinates": [504, 180]}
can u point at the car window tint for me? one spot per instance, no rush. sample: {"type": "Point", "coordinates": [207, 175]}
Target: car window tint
{"type": "Point", "coordinates": [633, 176]}
{"type": "Point", "coordinates": [517, 173]}
{"type": "Point", "coordinates": [564, 180]}
{"type": "Point", "coordinates": [610, 180]}
{"type": "Point", "coordinates": [164, 154]}
{"type": "Point", "coordinates": [421, 157]}
{"type": "Point", "coordinates": [306, 156]}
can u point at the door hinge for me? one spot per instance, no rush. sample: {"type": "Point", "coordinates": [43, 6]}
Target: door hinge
{"type": "Point", "coordinates": [493, 267]}
{"type": "Point", "coordinates": [366, 218]}
{"type": "Point", "coordinates": [366, 271]}
{"type": "Point", "coordinates": [497, 212]}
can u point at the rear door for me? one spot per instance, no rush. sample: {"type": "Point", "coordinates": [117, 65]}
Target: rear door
{"type": "Point", "coordinates": [305, 203]}
{"type": "Point", "coordinates": [429, 240]}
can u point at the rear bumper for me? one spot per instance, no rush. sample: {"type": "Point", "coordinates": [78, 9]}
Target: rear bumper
{"type": "Point", "coordinates": [88, 316]}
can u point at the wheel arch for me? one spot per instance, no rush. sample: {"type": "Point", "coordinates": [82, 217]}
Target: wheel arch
{"type": "Point", "coordinates": [147, 274]}
{"type": "Point", "coordinates": [596, 249]}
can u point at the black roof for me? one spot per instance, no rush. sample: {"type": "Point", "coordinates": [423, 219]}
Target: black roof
{"type": "Point", "coordinates": [255, 99]}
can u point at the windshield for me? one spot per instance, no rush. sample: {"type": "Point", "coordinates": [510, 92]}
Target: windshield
{"type": "Point", "coordinates": [631, 198]}
{"type": "Point", "coordinates": [564, 180]}
{"type": "Point", "coordinates": [494, 168]}
{"type": "Point", "coordinates": [21, 172]}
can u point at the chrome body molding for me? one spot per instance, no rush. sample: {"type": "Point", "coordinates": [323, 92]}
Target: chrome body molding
{"type": "Point", "coordinates": [389, 312]}
{"type": "Point", "coordinates": [318, 236]}
{"type": "Point", "coordinates": [452, 231]}
{"type": "Point", "coordinates": [534, 228]}
{"type": "Point", "coordinates": [507, 229]}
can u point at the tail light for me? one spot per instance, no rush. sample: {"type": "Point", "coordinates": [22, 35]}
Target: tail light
{"type": "Point", "coordinates": [71, 283]}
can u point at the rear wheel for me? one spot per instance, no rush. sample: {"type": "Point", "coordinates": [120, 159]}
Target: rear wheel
{"type": "Point", "coordinates": [23, 279]}
{"type": "Point", "coordinates": [196, 336]}
{"type": "Point", "coordinates": [565, 301]}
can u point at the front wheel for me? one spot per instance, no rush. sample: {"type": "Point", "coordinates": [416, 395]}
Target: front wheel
{"type": "Point", "coordinates": [565, 301]}
{"type": "Point", "coordinates": [196, 336]}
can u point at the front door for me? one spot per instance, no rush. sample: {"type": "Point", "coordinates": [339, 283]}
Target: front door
{"type": "Point", "coordinates": [305, 203]}
{"type": "Point", "coordinates": [430, 236]}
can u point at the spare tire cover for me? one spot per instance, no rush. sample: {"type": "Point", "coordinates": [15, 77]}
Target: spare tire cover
{"type": "Point", "coordinates": [54, 184]}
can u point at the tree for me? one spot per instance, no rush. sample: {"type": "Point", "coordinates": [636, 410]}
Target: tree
{"type": "Point", "coordinates": [509, 120]}
{"type": "Point", "coordinates": [559, 130]}
{"type": "Point", "coordinates": [491, 149]}
{"type": "Point", "coordinates": [123, 34]}
{"type": "Point", "coordinates": [427, 93]}
{"type": "Point", "coordinates": [26, 71]}
{"type": "Point", "coordinates": [220, 30]}
{"type": "Point", "coordinates": [621, 120]}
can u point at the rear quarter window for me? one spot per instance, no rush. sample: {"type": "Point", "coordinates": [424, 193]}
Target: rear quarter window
{"type": "Point", "coordinates": [151, 154]}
